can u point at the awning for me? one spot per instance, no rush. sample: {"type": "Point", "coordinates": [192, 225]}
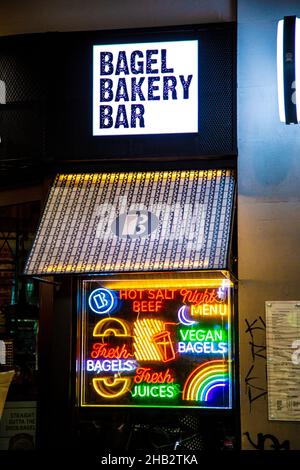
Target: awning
{"type": "Point", "coordinates": [137, 221]}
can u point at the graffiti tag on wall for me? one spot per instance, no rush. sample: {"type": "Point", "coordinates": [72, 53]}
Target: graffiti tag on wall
{"type": "Point", "coordinates": [254, 381]}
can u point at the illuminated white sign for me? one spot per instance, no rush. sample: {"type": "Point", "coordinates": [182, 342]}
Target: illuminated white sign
{"type": "Point", "coordinates": [288, 69]}
{"type": "Point", "coordinates": [148, 88]}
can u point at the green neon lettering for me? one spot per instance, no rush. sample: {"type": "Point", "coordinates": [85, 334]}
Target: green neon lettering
{"type": "Point", "coordinates": [159, 391]}
{"type": "Point", "coordinates": [184, 334]}
{"type": "Point", "coordinates": [192, 335]}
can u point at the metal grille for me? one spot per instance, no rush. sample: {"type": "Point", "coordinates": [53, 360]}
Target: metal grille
{"type": "Point", "coordinates": [20, 73]}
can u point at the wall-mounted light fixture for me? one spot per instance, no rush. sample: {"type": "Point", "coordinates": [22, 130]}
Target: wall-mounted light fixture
{"type": "Point", "coordinates": [288, 69]}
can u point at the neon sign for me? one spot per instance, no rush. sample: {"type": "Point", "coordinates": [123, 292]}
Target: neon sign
{"type": "Point", "coordinates": [152, 342]}
{"type": "Point", "coordinates": [113, 387]}
{"type": "Point", "coordinates": [165, 345]}
{"type": "Point", "coordinates": [202, 335]}
{"type": "Point", "coordinates": [202, 348]}
{"type": "Point", "coordinates": [207, 296]}
{"type": "Point", "coordinates": [222, 291]}
{"type": "Point", "coordinates": [182, 316]}
{"type": "Point", "coordinates": [202, 341]}
{"type": "Point", "coordinates": [208, 310]}
{"type": "Point", "coordinates": [147, 300]}
{"type": "Point", "coordinates": [103, 350]}
{"type": "Point", "coordinates": [155, 391]}
{"type": "Point", "coordinates": [102, 301]}
{"type": "Point", "coordinates": [110, 365]}
{"type": "Point", "coordinates": [205, 379]}
{"type": "Point", "coordinates": [145, 374]}
{"type": "Point", "coordinates": [147, 294]}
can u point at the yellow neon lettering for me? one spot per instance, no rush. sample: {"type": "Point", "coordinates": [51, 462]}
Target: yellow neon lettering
{"type": "Point", "coordinates": [208, 310]}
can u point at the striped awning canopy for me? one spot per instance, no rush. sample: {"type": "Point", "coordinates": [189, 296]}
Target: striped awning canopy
{"type": "Point", "coordinates": [135, 221]}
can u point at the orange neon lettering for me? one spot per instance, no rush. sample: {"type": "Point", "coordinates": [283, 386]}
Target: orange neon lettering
{"type": "Point", "coordinates": [151, 294]}
{"type": "Point", "coordinates": [161, 294]}
{"type": "Point", "coordinates": [209, 296]}
{"type": "Point", "coordinates": [102, 350]}
{"type": "Point", "coordinates": [131, 294]}
{"type": "Point", "coordinates": [147, 306]}
{"type": "Point", "coordinates": [145, 374]}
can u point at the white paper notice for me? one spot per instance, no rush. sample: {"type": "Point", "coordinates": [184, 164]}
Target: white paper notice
{"type": "Point", "coordinates": [283, 359]}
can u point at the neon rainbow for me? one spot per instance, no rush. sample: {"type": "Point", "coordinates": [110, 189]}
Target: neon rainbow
{"type": "Point", "coordinates": [204, 379]}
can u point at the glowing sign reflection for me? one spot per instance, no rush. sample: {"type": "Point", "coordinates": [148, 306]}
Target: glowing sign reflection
{"type": "Point", "coordinates": [164, 345]}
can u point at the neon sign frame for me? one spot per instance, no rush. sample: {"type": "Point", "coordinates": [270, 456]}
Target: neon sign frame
{"type": "Point", "coordinates": [150, 342]}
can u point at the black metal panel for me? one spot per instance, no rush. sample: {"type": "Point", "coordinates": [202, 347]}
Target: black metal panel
{"type": "Point", "coordinates": [48, 115]}
{"type": "Point", "coordinates": [21, 131]}
{"type": "Point", "coordinates": [72, 99]}
{"type": "Point", "coordinates": [22, 116]}
{"type": "Point", "coordinates": [21, 69]}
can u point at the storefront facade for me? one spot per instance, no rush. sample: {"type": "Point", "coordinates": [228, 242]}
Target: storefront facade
{"type": "Point", "coordinates": [90, 142]}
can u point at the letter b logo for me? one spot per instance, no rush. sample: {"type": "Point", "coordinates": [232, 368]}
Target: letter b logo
{"type": "Point", "coordinates": [134, 224]}
{"type": "Point", "coordinates": [102, 301]}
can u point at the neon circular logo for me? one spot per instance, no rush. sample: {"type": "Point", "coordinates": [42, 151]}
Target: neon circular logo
{"type": "Point", "coordinates": [102, 301]}
{"type": "Point", "coordinates": [135, 224]}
